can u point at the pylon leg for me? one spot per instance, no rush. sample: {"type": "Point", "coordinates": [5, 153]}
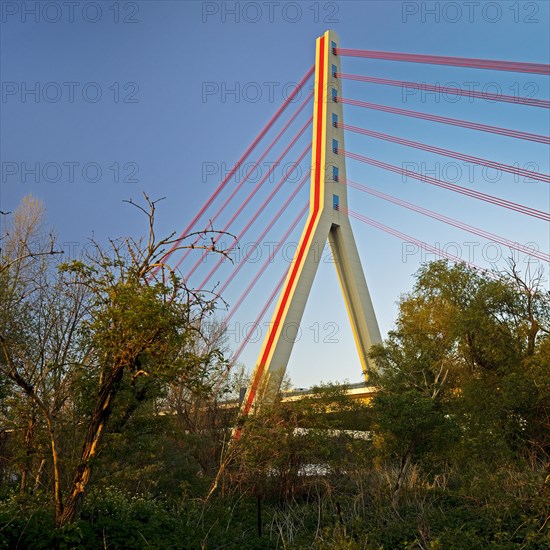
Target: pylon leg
{"type": "Point", "coordinates": [356, 293]}
{"type": "Point", "coordinates": [327, 219]}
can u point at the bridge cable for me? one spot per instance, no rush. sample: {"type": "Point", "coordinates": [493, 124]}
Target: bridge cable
{"type": "Point", "coordinates": [407, 238]}
{"type": "Point", "coordinates": [275, 218]}
{"type": "Point", "coordinates": [446, 120]}
{"type": "Point", "coordinates": [258, 319]}
{"type": "Point", "coordinates": [259, 211]}
{"type": "Point", "coordinates": [529, 101]}
{"type": "Point", "coordinates": [268, 262]}
{"type": "Point", "coordinates": [250, 195]}
{"type": "Point", "coordinates": [516, 170]}
{"type": "Point", "coordinates": [451, 186]}
{"type": "Point", "coordinates": [490, 64]}
{"type": "Point", "coordinates": [275, 291]}
{"type": "Point", "coordinates": [450, 221]}
{"type": "Point", "coordinates": [251, 171]}
{"type": "Point", "coordinates": [232, 172]}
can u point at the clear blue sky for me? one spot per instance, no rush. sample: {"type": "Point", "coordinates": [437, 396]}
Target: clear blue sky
{"type": "Point", "coordinates": [136, 91]}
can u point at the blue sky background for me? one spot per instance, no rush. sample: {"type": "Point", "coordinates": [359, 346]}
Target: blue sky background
{"type": "Point", "coordinates": [162, 119]}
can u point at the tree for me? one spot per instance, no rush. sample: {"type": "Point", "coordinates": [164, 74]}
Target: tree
{"type": "Point", "coordinates": [462, 370]}
{"type": "Point", "coordinates": [200, 420]}
{"type": "Point", "coordinates": [73, 336]}
{"type": "Point", "coordinates": [143, 322]}
{"type": "Point", "coordinates": [37, 333]}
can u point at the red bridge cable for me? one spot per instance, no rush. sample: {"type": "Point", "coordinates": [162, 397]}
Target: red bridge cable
{"type": "Point", "coordinates": [231, 173]}
{"type": "Point", "coordinates": [259, 318]}
{"type": "Point", "coordinates": [258, 212]}
{"type": "Point", "coordinates": [269, 300]}
{"type": "Point", "coordinates": [250, 195]}
{"type": "Point", "coordinates": [448, 90]}
{"type": "Point", "coordinates": [516, 170]}
{"type": "Point", "coordinates": [450, 221]}
{"type": "Point", "coordinates": [422, 245]}
{"type": "Point", "coordinates": [491, 64]}
{"type": "Point", "coordinates": [451, 186]}
{"type": "Point", "coordinates": [446, 120]}
{"type": "Point", "coordinates": [266, 264]}
{"type": "Point", "coordinates": [275, 218]}
{"type": "Point", "coordinates": [247, 175]}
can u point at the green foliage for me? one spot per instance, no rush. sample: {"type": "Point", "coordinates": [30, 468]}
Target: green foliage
{"type": "Point", "coordinates": [293, 449]}
{"type": "Point", "coordinates": [459, 368]}
{"type": "Point", "coordinates": [433, 519]}
{"type": "Point", "coordinates": [116, 367]}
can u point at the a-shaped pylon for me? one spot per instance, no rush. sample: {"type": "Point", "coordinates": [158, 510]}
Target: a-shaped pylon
{"type": "Point", "coordinates": [327, 219]}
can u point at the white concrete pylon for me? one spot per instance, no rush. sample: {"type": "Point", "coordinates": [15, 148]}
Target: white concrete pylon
{"type": "Point", "coordinates": [327, 219]}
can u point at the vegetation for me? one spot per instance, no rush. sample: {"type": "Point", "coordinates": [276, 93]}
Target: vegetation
{"type": "Point", "coordinates": [115, 414]}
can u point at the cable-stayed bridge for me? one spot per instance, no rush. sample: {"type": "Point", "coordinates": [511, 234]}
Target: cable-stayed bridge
{"type": "Point", "coordinates": [290, 189]}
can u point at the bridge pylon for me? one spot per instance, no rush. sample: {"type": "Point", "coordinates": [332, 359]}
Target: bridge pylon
{"type": "Point", "coordinates": [327, 219]}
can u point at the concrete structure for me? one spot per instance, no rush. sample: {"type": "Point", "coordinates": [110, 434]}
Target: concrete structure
{"type": "Point", "coordinates": [327, 219]}
{"type": "Point", "coordinates": [358, 392]}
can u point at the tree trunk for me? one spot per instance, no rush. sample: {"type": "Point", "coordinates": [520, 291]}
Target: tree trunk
{"type": "Point", "coordinates": [27, 464]}
{"type": "Point", "coordinates": [56, 475]}
{"type": "Point", "coordinates": [38, 474]}
{"type": "Point", "coordinates": [100, 416]}
{"type": "Point", "coordinates": [259, 514]}
{"type": "Point", "coordinates": [405, 464]}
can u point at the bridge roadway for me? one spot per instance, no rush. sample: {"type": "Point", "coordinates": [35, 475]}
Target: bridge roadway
{"type": "Point", "coordinates": [359, 391]}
